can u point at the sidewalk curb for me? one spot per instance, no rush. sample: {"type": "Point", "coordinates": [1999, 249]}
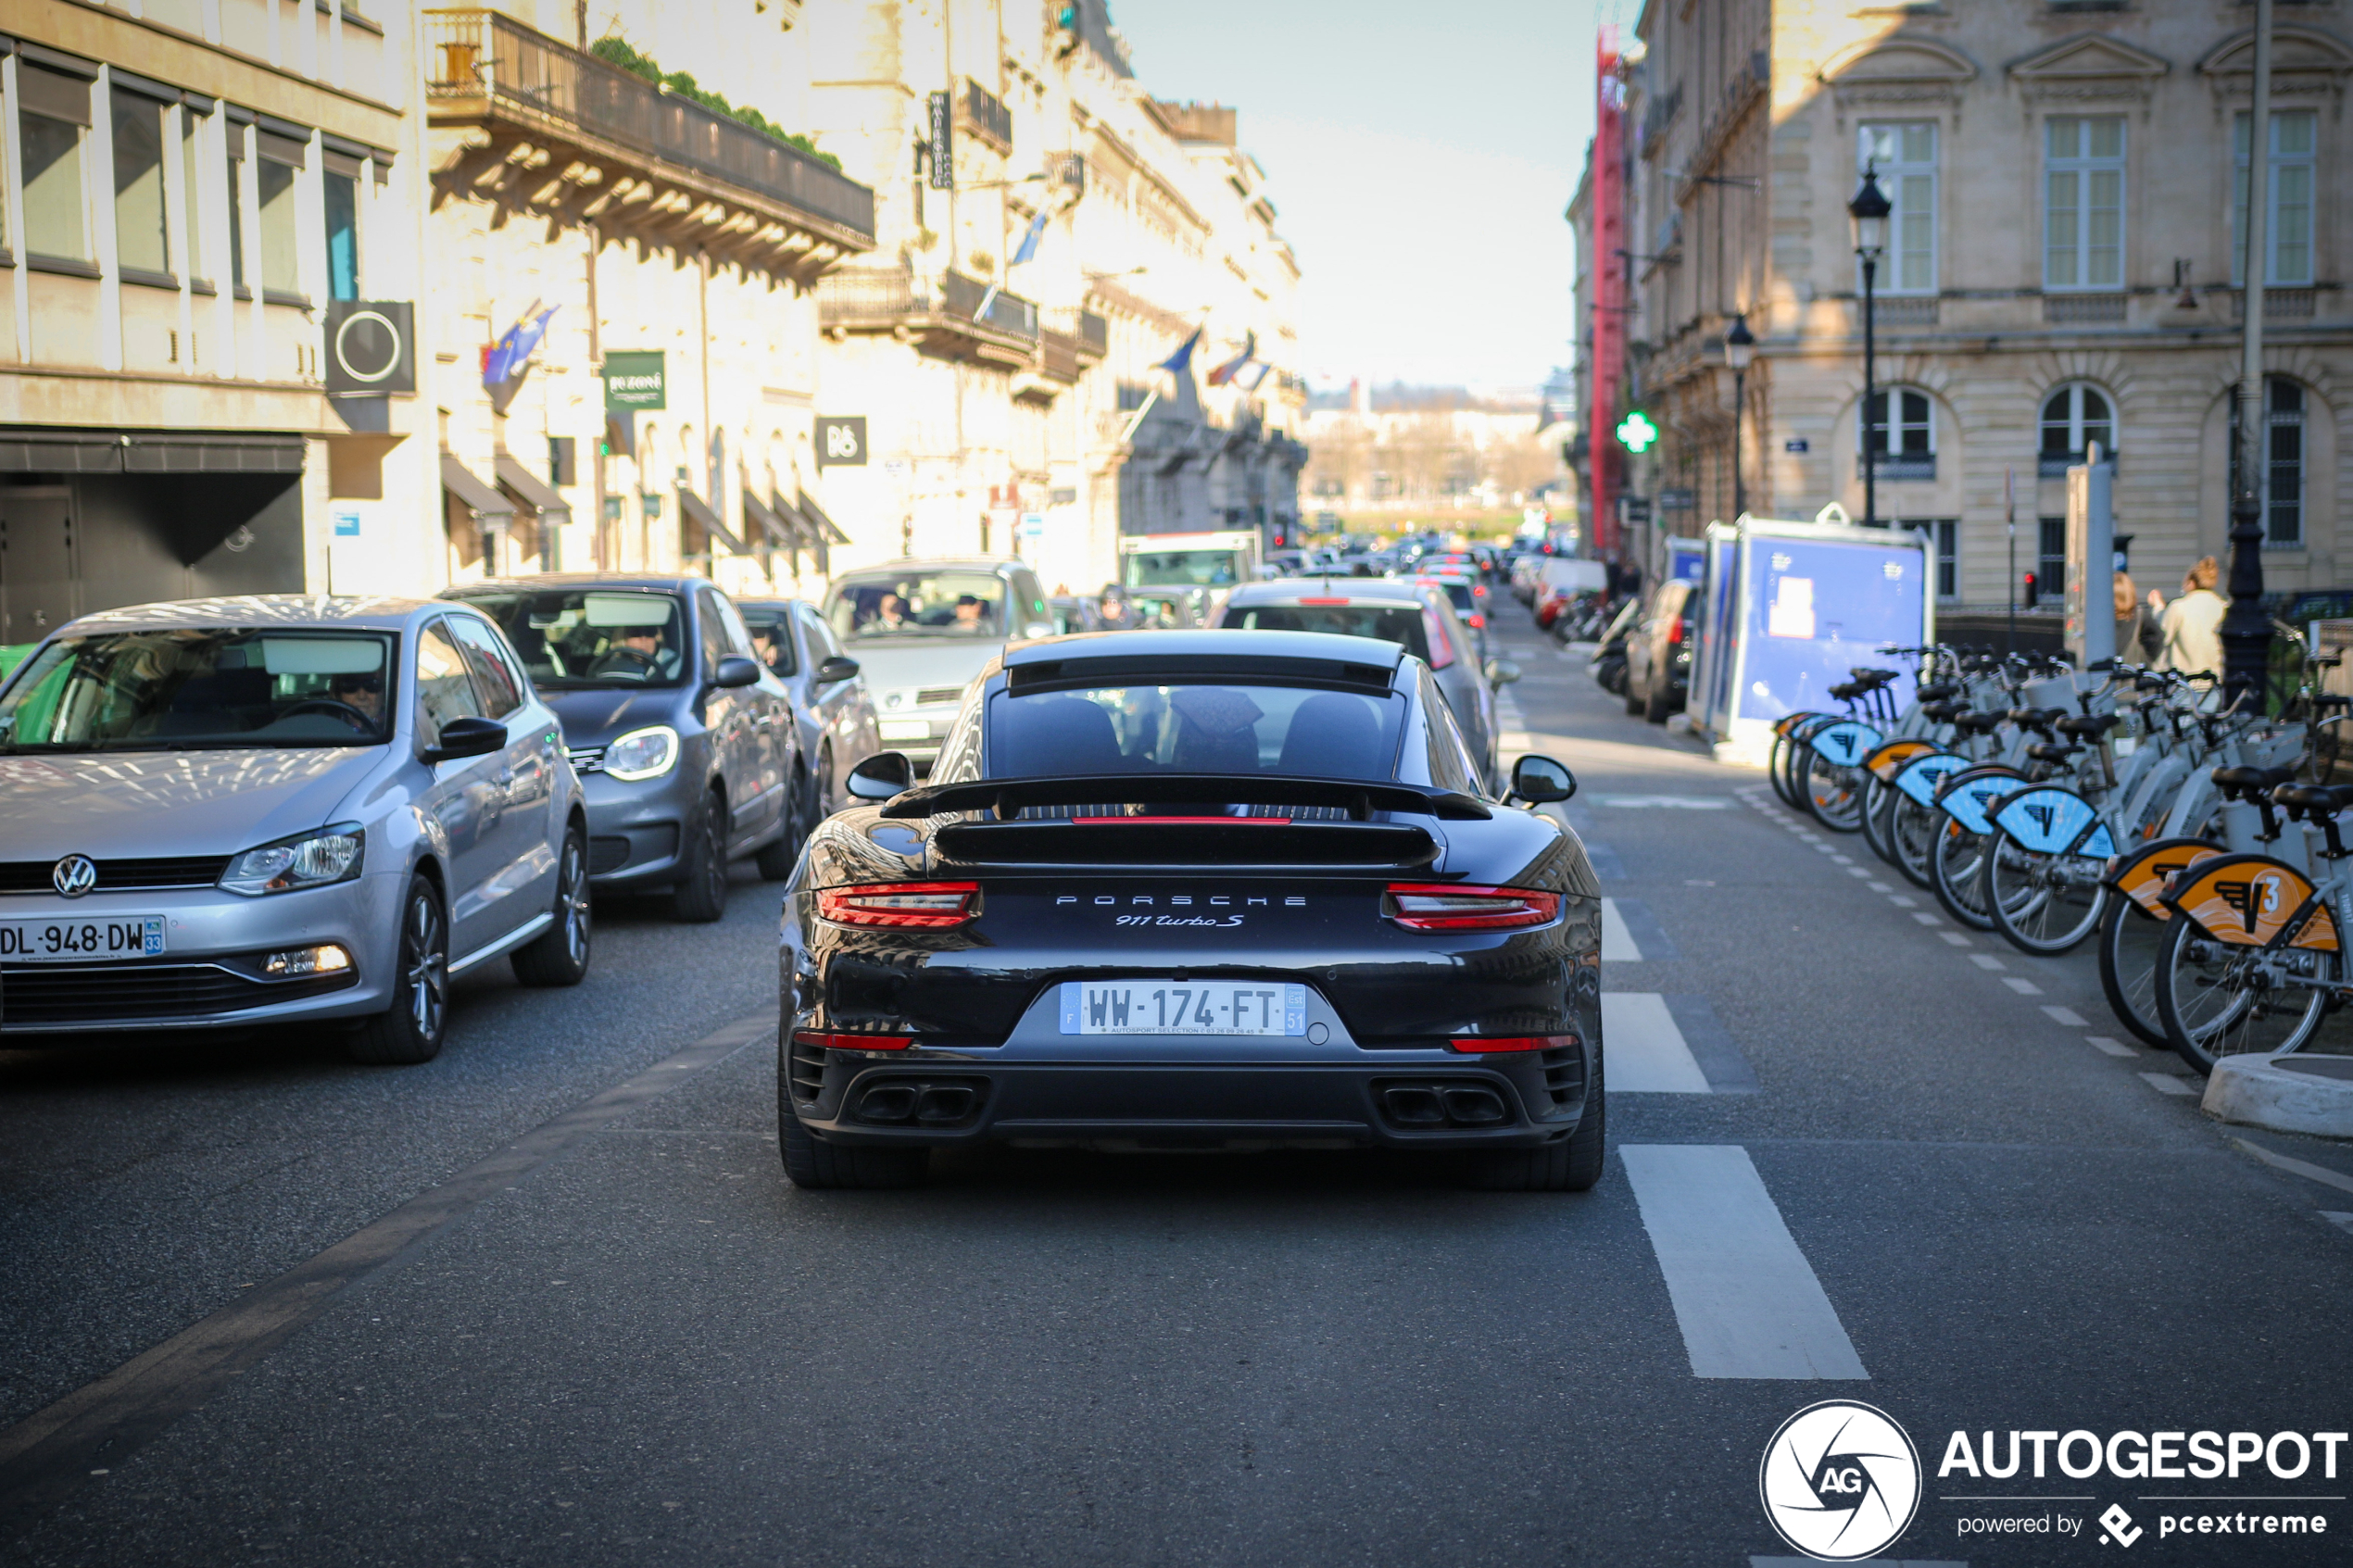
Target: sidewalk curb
{"type": "Point", "coordinates": [2284, 1094]}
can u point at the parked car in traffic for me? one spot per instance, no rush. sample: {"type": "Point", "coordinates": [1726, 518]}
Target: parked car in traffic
{"type": "Point", "coordinates": [280, 809]}
{"type": "Point", "coordinates": [686, 744]}
{"type": "Point", "coordinates": [1658, 652]}
{"type": "Point", "coordinates": [921, 630]}
{"type": "Point", "coordinates": [1469, 595]}
{"type": "Point", "coordinates": [1417, 617]}
{"type": "Point", "coordinates": [831, 706]}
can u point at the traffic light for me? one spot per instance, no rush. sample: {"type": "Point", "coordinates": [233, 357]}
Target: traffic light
{"type": "Point", "coordinates": [1635, 432]}
{"type": "Point", "coordinates": [2027, 598]}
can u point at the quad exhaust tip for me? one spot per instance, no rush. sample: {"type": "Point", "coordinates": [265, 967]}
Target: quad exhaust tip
{"type": "Point", "coordinates": [933, 1105]}
{"type": "Point", "coordinates": [1442, 1104]}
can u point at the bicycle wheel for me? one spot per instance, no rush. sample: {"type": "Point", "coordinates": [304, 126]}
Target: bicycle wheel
{"type": "Point", "coordinates": [1833, 793]}
{"type": "Point", "coordinates": [1778, 766]}
{"type": "Point", "coordinates": [1911, 831]}
{"type": "Point", "coordinates": [1878, 801]}
{"type": "Point", "coordinates": [2042, 904]}
{"type": "Point", "coordinates": [2219, 999]}
{"type": "Point", "coordinates": [2129, 937]}
{"type": "Point", "coordinates": [1956, 870]}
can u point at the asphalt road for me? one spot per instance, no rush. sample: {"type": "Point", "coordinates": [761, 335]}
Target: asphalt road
{"type": "Point", "coordinates": [551, 1299]}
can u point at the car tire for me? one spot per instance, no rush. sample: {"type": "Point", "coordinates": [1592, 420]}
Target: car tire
{"type": "Point", "coordinates": [1573, 1165]}
{"type": "Point", "coordinates": [411, 1029]}
{"type": "Point", "coordinates": [702, 894]}
{"type": "Point", "coordinates": [1656, 707]}
{"type": "Point", "coordinates": [558, 956]}
{"type": "Point", "coordinates": [1633, 702]}
{"type": "Point", "coordinates": [815, 1165]}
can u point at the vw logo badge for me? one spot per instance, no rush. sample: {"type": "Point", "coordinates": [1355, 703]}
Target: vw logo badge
{"type": "Point", "coordinates": [74, 875]}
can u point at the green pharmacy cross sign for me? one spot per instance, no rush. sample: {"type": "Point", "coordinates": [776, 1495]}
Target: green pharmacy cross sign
{"type": "Point", "coordinates": [1636, 432]}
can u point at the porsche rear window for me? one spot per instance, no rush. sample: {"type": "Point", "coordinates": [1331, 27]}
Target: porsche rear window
{"type": "Point", "coordinates": [1297, 732]}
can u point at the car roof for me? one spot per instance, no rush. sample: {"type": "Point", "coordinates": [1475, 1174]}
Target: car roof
{"type": "Point", "coordinates": [931, 563]}
{"type": "Point", "coordinates": [665, 582]}
{"type": "Point", "coordinates": [307, 611]}
{"type": "Point", "coordinates": [1314, 585]}
{"type": "Point", "coordinates": [1194, 643]}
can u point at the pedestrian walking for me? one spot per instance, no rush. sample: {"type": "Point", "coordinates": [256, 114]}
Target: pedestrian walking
{"type": "Point", "coordinates": [2137, 639]}
{"type": "Point", "coordinates": [2192, 630]}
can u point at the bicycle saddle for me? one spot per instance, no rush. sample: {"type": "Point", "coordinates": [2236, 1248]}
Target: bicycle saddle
{"type": "Point", "coordinates": [2043, 751]}
{"type": "Point", "coordinates": [1938, 691]}
{"type": "Point", "coordinates": [2037, 718]}
{"type": "Point", "coordinates": [1978, 723]}
{"type": "Point", "coordinates": [2092, 725]}
{"type": "Point", "coordinates": [1942, 712]}
{"type": "Point", "coordinates": [2330, 798]}
{"type": "Point", "coordinates": [1845, 691]}
{"type": "Point", "coordinates": [2251, 779]}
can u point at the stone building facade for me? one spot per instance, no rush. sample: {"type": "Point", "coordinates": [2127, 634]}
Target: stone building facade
{"type": "Point", "coordinates": [2061, 269]}
{"type": "Point", "coordinates": [1041, 425]}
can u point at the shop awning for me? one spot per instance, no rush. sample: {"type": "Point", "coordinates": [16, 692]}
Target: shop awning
{"type": "Point", "coordinates": [696, 508]}
{"type": "Point", "coordinates": [779, 532]}
{"type": "Point", "coordinates": [526, 486]}
{"type": "Point", "coordinates": [477, 497]}
{"type": "Point", "coordinates": [804, 533]}
{"type": "Point", "coordinates": [827, 530]}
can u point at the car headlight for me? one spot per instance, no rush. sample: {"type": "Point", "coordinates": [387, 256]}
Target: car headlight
{"type": "Point", "coordinates": [643, 754]}
{"type": "Point", "coordinates": [309, 860]}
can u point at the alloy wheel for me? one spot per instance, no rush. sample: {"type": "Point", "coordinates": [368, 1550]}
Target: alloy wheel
{"type": "Point", "coordinates": [425, 960]}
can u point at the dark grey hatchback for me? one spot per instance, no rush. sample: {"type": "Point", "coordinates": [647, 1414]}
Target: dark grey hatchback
{"type": "Point", "coordinates": [685, 743]}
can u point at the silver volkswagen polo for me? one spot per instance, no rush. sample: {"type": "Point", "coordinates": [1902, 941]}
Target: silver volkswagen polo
{"type": "Point", "coordinates": [280, 808]}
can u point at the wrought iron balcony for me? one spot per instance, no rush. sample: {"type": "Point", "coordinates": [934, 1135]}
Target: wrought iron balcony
{"type": "Point", "coordinates": [485, 67]}
{"type": "Point", "coordinates": [987, 117]}
{"type": "Point", "coordinates": [943, 321]}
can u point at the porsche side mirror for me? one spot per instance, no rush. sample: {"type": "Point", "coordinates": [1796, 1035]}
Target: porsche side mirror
{"type": "Point", "coordinates": [882, 775]}
{"type": "Point", "coordinates": [1502, 673]}
{"type": "Point", "coordinates": [1541, 781]}
{"type": "Point", "coordinates": [467, 737]}
{"type": "Point", "coordinates": [736, 671]}
{"type": "Point", "coordinates": [839, 668]}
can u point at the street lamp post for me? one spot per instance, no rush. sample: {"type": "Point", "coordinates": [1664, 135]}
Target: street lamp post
{"type": "Point", "coordinates": [1869, 210]}
{"type": "Point", "coordinates": [1740, 347]}
{"type": "Point", "coordinates": [2246, 627]}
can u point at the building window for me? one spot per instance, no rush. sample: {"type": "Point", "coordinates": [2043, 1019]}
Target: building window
{"type": "Point", "coordinates": [1906, 448]}
{"type": "Point", "coordinates": [2083, 203]}
{"type": "Point", "coordinates": [343, 234]}
{"type": "Point", "coordinates": [2072, 417]}
{"type": "Point", "coordinates": [2050, 563]}
{"type": "Point", "coordinates": [1904, 158]}
{"type": "Point", "coordinates": [235, 137]}
{"type": "Point", "coordinates": [140, 243]}
{"type": "Point", "coordinates": [192, 207]}
{"type": "Point", "coordinates": [1944, 534]}
{"type": "Point", "coordinates": [2283, 465]}
{"type": "Point", "coordinates": [53, 117]}
{"type": "Point", "coordinates": [2294, 139]}
{"type": "Point", "coordinates": [275, 178]}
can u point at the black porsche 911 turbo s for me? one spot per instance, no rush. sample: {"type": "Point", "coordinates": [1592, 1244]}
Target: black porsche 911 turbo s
{"type": "Point", "coordinates": [1195, 890]}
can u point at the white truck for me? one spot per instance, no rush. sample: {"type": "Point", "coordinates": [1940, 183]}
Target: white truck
{"type": "Point", "coordinates": [1196, 570]}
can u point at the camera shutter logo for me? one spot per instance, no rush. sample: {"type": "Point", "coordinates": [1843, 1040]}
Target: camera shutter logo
{"type": "Point", "coordinates": [1840, 1481]}
{"type": "Point", "coordinates": [74, 875]}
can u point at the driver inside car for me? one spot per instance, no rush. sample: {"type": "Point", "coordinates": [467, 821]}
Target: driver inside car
{"type": "Point", "coordinates": [364, 693]}
{"type": "Point", "coordinates": [636, 653]}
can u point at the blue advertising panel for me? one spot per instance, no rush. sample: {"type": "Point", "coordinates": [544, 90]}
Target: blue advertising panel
{"type": "Point", "coordinates": [1716, 648]}
{"type": "Point", "coordinates": [1813, 610]}
{"type": "Point", "coordinates": [1686, 559]}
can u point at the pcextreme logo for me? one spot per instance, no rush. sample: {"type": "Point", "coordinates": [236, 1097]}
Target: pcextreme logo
{"type": "Point", "coordinates": [1840, 1480]}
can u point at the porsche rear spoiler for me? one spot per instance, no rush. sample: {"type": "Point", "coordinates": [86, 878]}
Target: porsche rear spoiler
{"type": "Point", "coordinates": [1360, 798]}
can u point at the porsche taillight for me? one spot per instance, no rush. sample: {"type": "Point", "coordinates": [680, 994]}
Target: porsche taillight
{"type": "Point", "coordinates": [921, 905]}
{"type": "Point", "coordinates": [1445, 907]}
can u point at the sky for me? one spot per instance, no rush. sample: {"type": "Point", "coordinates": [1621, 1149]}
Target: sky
{"type": "Point", "coordinates": [1420, 158]}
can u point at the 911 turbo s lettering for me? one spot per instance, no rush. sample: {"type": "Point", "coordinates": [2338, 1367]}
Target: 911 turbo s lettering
{"type": "Point", "coordinates": [1195, 890]}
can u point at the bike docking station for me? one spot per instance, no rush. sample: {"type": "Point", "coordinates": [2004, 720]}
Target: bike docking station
{"type": "Point", "coordinates": [1788, 609]}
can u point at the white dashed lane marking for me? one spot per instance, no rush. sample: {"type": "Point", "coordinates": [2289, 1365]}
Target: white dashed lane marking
{"type": "Point", "coordinates": [2112, 1047]}
{"type": "Point", "coordinates": [2167, 1083]}
{"type": "Point", "coordinates": [1647, 1053]}
{"type": "Point", "coordinates": [2023, 987]}
{"type": "Point", "coordinates": [1617, 943]}
{"type": "Point", "coordinates": [1747, 1302]}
